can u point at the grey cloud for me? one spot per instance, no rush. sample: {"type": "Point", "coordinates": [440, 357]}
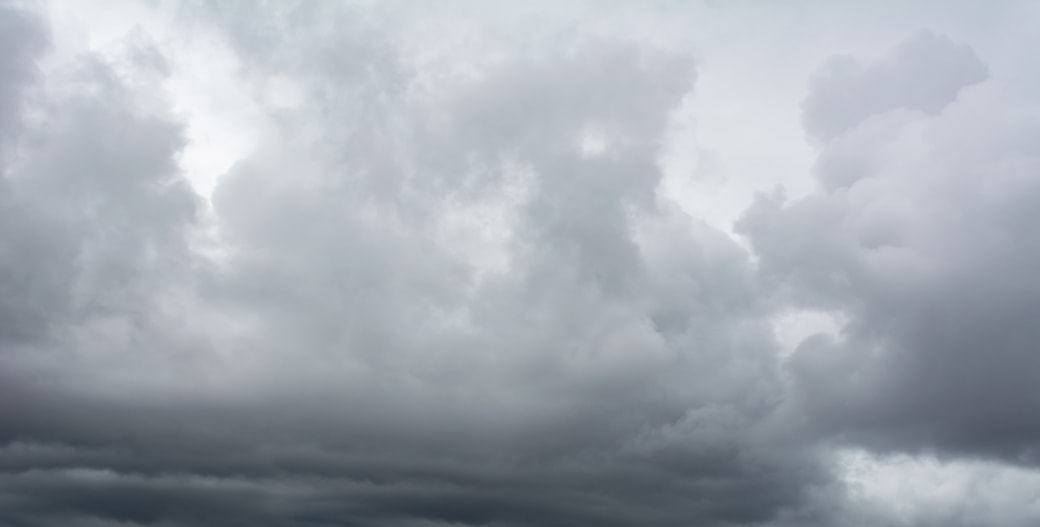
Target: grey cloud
{"type": "Point", "coordinates": [24, 38]}
{"type": "Point", "coordinates": [924, 73]}
{"type": "Point", "coordinates": [432, 305]}
{"type": "Point", "coordinates": [348, 359]}
{"type": "Point", "coordinates": [928, 252]}
{"type": "Point", "coordinates": [96, 215]}
{"type": "Point", "coordinates": [562, 349]}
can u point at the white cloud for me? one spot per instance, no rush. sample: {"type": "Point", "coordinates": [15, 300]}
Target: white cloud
{"type": "Point", "coordinates": [923, 490]}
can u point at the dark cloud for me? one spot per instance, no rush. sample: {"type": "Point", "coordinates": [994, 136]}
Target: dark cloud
{"type": "Point", "coordinates": [448, 288]}
{"type": "Point", "coordinates": [359, 354]}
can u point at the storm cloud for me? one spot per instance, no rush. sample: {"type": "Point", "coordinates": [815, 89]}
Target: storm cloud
{"type": "Point", "coordinates": [315, 264]}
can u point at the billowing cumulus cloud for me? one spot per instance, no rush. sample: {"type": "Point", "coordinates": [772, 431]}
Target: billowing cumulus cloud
{"type": "Point", "coordinates": [921, 237]}
{"type": "Point", "coordinates": [442, 280]}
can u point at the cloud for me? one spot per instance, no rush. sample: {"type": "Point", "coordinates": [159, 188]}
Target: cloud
{"type": "Point", "coordinates": [920, 238]}
{"type": "Point", "coordinates": [360, 350]}
{"type": "Point", "coordinates": [903, 490]}
{"type": "Point", "coordinates": [924, 73]}
{"type": "Point", "coordinates": [443, 281]}
{"type": "Point", "coordinates": [25, 36]}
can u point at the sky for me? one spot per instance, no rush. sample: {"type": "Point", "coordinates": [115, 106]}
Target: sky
{"type": "Point", "coordinates": [503, 264]}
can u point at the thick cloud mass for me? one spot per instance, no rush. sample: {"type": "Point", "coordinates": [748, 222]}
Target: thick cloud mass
{"type": "Point", "coordinates": [923, 238]}
{"type": "Point", "coordinates": [446, 285]}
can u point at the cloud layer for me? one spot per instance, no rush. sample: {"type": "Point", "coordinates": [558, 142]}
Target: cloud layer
{"type": "Point", "coordinates": [447, 285]}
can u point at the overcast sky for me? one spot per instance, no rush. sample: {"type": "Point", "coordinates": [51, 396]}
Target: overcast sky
{"type": "Point", "coordinates": [503, 264]}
